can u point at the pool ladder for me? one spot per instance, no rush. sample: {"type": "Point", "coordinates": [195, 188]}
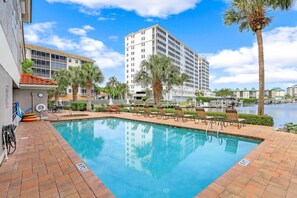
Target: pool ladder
{"type": "Point", "coordinates": [220, 123]}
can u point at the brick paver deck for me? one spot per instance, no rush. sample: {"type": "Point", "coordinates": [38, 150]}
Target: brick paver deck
{"type": "Point", "coordinates": [45, 164]}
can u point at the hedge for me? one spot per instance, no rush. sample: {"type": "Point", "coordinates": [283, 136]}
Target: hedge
{"type": "Point", "coordinates": [79, 106]}
{"type": "Point", "coordinates": [263, 120]}
{"type": "Point", "coordinates": [248, 100]}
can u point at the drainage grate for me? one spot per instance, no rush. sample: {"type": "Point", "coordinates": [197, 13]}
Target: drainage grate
{"type": "Point", "coordinates": [244, 162]}
{"type": "Point", "coordinates": [82, 167]}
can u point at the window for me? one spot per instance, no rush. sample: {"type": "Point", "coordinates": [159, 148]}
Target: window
{"type": "Point", "coordinates": [132, 70]}
{"type": "Point", "coordinates": [132, 53]}
{"type": "Point", "coordinates": [142, 50]}
{"type": "Point", "coordinates": [132, 42]}
{"type": "Point", "coordinates": [142, 44]}
{"type": "Point", "coordinates": [69, 90]}
{"type": "Point", "coordinates": [76, 61]}
{"type": "Point", "coordinates": [142, 38]}
{"type": "Point", "coordinates": [142, 56]}
{"type": "Point", "coordinates": [132, 59]}
{"type": "Point", "coordinates": [69, 60]}
{"type": "Point", "coordinates": [127, 71]}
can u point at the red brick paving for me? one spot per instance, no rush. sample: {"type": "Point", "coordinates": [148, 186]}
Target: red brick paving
{"type": "Point", "coordinates": [44, 164]}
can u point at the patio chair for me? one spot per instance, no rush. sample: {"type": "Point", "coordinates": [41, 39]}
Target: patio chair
{"type": "Point", "coordinates": [113, 109]}
{"type": "Point", "coordinates": [148, 112]}
{"type": "Point", "coordinates": [163, 114]}
{"type": "Point", "coordinates": [232, 117]}
{"type": "Point", "coordinates": [180, 114]}
{"type": "Point", "coordinates": [201, 115]}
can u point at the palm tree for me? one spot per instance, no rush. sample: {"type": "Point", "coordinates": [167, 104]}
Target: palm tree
{"type": "Point", "coordinates": [75, 80]}
{"type": "Point", "coordinates": [62, 80]}
{"type": "Point", "coordinates": [123, 89]}
{"type": "Point", "coordinates": [27, 66]}
{"type": "Point", "coordinates": [252, 15]}
{"type": "Point", "coordinates": [112, 87]}
{"type": "Point", "coordinates": [90, 75]}
{"type": "Point", "coordinates": [199, 93]}
{"type": "Point", "coordinates": [155, 72]}
{"type": "Point", "coordinates": [183, 78]}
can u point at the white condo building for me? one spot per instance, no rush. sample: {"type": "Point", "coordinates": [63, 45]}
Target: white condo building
{"type": "Point", "coordinates": [155, 40]}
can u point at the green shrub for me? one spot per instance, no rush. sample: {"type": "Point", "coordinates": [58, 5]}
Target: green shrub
{"type": "Point", "coordinates": [248, 100]}
{"type": "Point", "coordinates": [80, 106]}
{"type": "Point", "coordinates": [290, 127]}
{"type": "Point", "coordinates": [204, 99]}
{"type": "Point", "coordinates": [100, 108]}
{"type": "Point", "coordinates": [264, 120]}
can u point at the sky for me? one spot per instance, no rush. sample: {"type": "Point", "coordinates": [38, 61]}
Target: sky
{"type": "Point", "coordinates": [96, 29]}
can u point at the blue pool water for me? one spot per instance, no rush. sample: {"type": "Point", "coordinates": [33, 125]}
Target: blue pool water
{"type": "Point", "coordinates": [138, 159]}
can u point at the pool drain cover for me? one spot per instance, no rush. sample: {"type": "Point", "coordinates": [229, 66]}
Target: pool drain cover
{"type": "Point", "coordinates": [244, 162]}
{"type": "Point", "coordinates": [82, 167]}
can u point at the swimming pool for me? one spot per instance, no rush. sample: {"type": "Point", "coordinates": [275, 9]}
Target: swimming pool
{"type": "Point", "coordinates": [138, 159]}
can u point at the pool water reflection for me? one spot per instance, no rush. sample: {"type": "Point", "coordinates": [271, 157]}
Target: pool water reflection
{"type": "Point", "coordinates": [137, 159]}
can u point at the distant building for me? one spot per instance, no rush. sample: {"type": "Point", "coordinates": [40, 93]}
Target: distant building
{"type": "Point", "coordinates": [275, 93]}
{"type": "Point", "coordinates": [48, 60]}
{"type": "Point", "coordinates": [155, 40]}
{"type": "Point", "coordinates": [292, 91]}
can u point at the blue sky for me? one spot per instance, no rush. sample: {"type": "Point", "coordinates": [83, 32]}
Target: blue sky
{"type": "Point", "coordinates": [96, 28]}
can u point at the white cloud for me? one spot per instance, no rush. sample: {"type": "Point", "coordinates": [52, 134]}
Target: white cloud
{"type": "Point", "coordinates": [241, 65]}
{"type": "Point", "coordinates": [81, 31]}
{"type": "Point", "coordinates": [88, 11]}
{"type": "Point", "coordinates": [113, 37]}
{"type": "Point", "coordinates": [33, 33]}
{"type": "Point", "coordinates": [151, 20]}
{"type": "Point", "coordinates": [43, 34]}
{"type": "Point", "coordinates": [106, 19]}
{"type": "Point", "coordinates": [145, 8]}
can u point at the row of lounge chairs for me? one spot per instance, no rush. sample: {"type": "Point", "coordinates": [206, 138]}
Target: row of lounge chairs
{"type": "Point", "coordinates": [200, 115]}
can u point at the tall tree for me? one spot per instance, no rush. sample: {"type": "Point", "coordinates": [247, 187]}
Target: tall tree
{"type": "Point", "coordinates": [27, 66]}
{"type": "Point", "coordinates": [62, 80]}
{"type": "Point", "coordinates": [75, 80]}
{"type": "Point", "coordinates": [123, 90]}
{"type": "Point", "coordinates": [90, 75]}
{"type": "Point", "coordinates": [112, 87]}
{"type": "Point", "coordinates": [183, 78]}
{"type": "Point", "coordinates": [224, 92]}
{"type": "Point", "coordinates": [252, 15]}
{"type": "Point", "coordinates": [154, 72]}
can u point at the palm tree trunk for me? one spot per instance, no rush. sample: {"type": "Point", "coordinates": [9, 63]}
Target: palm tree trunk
{"type": "Point", "coordinates": [88, 92]}
{"type": "Point", "coordinates": [74, 92]}
{"type": "Point", "coordinates": [157, 88]}
{"type": "Point", "coordinates": [182, 95]}
{"type": "Point", "coordinates": [261, 72]}
{"type": "Point", "coordinates": [57, 95]}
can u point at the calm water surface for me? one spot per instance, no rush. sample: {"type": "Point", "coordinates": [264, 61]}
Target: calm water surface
{"type": "Point", "coordinates": [137, 159]}
{"type": "Point", "coordinates": [281, 113]}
